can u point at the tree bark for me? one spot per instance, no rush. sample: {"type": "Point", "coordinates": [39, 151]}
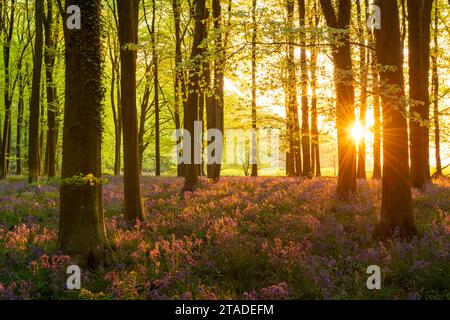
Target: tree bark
{"type": "Point", "coordinates": [178, 97]}
{"type": "Point", "coordinates": [51, 40]}
{"type": "Point", "coordinates": [291, 87]}
{"type": "Point", "coordinates": [20, 111]}
{"type": "Point", "coordinates": [128, 13]}
{"type": "Point", "coordinates": [117, 112]}
{"type": "Point", "coordinates": [435, 86]}
{"type": "Point", "coordinates": [81, 228]}
{"type": "Point", "coordinates": [205, 94]}
{"type": "Point", "coordinates": [306, 143]}
{"type": "Point", "coordinates": [254, 70]}
{"type": "Point", "coordinates": [191, 110]}
{"type": "Point", "coordinates": [419, 24]}
{"type": "Point", "coordinates": [4, 155]}
{"type": "Point", "coordinates": [33, 132]}
{"type": "Point", "coordinates": [396, 205]}
{"type": "Point", "coordinates": [156, 91]}
{"type": "Point", "coordinates": [144, 115]}
{"type": "Point", "coordinates": [114, 93]}
{"type": "Point", "coordinates": [376, 109]}
{"type": "Point", "coordinates": [345, 96]}
{"type": "Point", "coordinates": [361, 169]}
{"type": "Point", "coordinates": [215, 116]}
{"type": "Point", "coordinates": [315, 152]}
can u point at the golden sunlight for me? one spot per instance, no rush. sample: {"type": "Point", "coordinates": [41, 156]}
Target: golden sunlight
{"type": "Point", "coordinates": [358, 132]}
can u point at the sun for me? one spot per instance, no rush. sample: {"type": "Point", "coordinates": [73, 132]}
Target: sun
{"type": "Point", "coordinates": [358, 132]}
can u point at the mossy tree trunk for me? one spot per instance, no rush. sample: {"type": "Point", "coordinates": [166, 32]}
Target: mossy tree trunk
{"type": "Point", "coordinates": [81, 227]}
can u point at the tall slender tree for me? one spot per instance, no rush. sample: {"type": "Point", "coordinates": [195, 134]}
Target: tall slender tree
{"type": "Point", "coordinates": [156, 92]}
{"type": "Point", "coordinates": [345, 94]}
{"type": "Point", "coordinates": [81, 225]}
{"type": "Point", "coordinates": [419, 25]}
{"type": "Point", "coordinates": [306, 146]}
{"type": "Point", "coordinates": [254, 87]}
{"type": "Point", "coordinates": [294, 161]}
{"type": "Point", "coordinates": [216, 118]}
{"type": "Point", "coordinates": [315, 152]}
{"type": "Point", "coordinates": [376, 107]}
{"type": "Point", "coordinates": [361, 169]}
{"type": "Point", "coordinates": [8, 29]}
{"type": "Point", "coordinates": [35, 105]}
{"type": "Point", "coordinates": [178, 85]}
{"type": "Point", "coordinates": [22, 82]}
{"type": "Point", "coordinates": [51, 41]}
{"type": "Point", "coordinates": [435, 86]}
{"type": "Point", "coordinates": [114, 92]}
{"type": "Point", "coordinates": [128, 37]}
{"type": "Point", "coordinates": [396, 205]}
{"type": "Point", "coordinates": [191, 111]}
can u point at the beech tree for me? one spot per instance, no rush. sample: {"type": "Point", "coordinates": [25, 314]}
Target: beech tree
{"type": "Point", "coordinates": [294, 160]}
{"type": "Point", "coordinates": [81, 225]}
{"type": "Point", "coordinates": [35, 105]}
{"type": "Point", "coordinates": [345, 94]}
{"type": "Point", "coordinates": [114, 91]}
{"type": "Point", "coordinates": [361, 168]}
{"type": "Point", "coordinates": [128, 37]}
{"type": "Point", "coordinates": [306, 147]}
{"type": "Point", "coordinates": [396, 204]}
{"type": "Point", "coordinates": [377, 117]}
{"type": "Point", "coordinates": [179, 85]}
{"type": "Point", "coordinates": [51, 42]}
{"type": "Point", "coordinates": [419, 25]}
{"type": "Point", "coordinates": [435, 89]}
{"type": "Point", "coordinates": [191, 110]}
{"type": "Point", "coordinates": [254, 87]}
{"type": "Point", "coordinates": [7, 29]}
{"type": "Point", "coordinates": [156, 91]}
{"type": "Point", "coordinates": [215, 112]}
{"type": "Point", "coordinates": [315, 151]}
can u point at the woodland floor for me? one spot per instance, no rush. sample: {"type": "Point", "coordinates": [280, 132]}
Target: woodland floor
{"type": "Point", "coordinates": [243, 238]}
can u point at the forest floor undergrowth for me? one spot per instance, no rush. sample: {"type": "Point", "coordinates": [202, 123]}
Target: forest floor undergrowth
{"type": "Point", "coordinates": [242, 238]}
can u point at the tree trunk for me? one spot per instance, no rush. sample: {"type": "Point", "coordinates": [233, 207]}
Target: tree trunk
{"type": "Point", "coordinates": [178, 98]}
{"type": "Point", "coordinates": [205, 95]}
{"type": "Point", "coordinates": [82, 228]}
{"type": "Point", "coordinates": [254, 70]}
{"type": "Point", "coordinates": [419, 24]}
{"type": "Point", "coordinates": [52, 105]}
{"type": "Point", "coordinates": [435, 86]}
{"type": "Point", "coordinates": [345, 97]}
{"type": "Point", "coordinates": [156, 92]}
{"type": "Point", "coordinates": [192, 107]}
{"type": "Point", "coordinates": [7, 92]}
{"type": "Point", "coordinates": [20, 109]}
{"type": "Point", "coordinates": [42, 145]}
{"type": "Point", "coordinates": [376, 110]}
{"type": "Point", "coordinates": [117, 119]}
{"type": "Point", "coordinates": [215, 103]}
{"type": "Point", "coordinates": [145, 108]}
{"type": "Point", "coordinates": [396, 205]}
{"type": "Point", "coordinates": [128, 13]}
{"type": "Point", "coordinates": [114, 96]}
{"type": "Point", "coordinates": [33, 132]}
{"type": "Point", "coordinates": [306, 143]}
{"type": "Point", "coordinates": [291, 86]}
{"type": "Point", "coordinates": [315, 152]}
{"type": "Point", "coordinates": [361, 169]}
